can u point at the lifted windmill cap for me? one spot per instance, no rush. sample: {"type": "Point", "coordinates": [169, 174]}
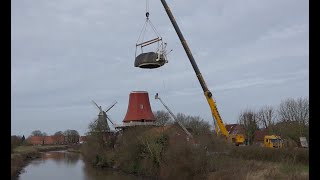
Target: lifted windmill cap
{"type": "Point", "coordinates": [150, 60]}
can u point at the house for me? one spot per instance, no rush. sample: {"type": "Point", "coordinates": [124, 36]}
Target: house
{"type": "Point", "coordinates": [46, 140]}
{"type": "Point", "coordinates": [58, 139]}
{"type": "Point", "coordinates": [259, 136]}
{"type": "Point", "coordinates": [36, 140]}
{"type": "Point", "coordinates": [82, 139]}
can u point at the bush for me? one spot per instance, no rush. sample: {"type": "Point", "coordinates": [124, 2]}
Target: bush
{"type": "Point", "coordinates": [140, 151]}
{"type": "Point", "coordinates": [94, 152]}
{"type": "Point", "coordinates": [15, 142]}
{"type": "Point", "coordinates": [184, 161]}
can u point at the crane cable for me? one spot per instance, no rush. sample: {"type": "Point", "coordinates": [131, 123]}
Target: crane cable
{"type": "Point", "coordinates": [158, 35]}
{"type": "Point", "coordinates": [147, 15]}
{"type": "Point", "coordinates": [148, 21]}
{"type": "Point", "coordinates": [147, 8]}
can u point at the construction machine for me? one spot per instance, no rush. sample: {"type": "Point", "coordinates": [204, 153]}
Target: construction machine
{"type": "Point", "coordinates": [273, 141]}
{"type": "Point", "coordinates": [237, 139]}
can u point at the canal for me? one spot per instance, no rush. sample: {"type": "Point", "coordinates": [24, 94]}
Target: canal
{"type": "Point", "coordinates": [63, 165]}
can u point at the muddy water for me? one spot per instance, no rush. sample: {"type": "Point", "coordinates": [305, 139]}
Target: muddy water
{"type": "Point", "coordinates": [62, 165]}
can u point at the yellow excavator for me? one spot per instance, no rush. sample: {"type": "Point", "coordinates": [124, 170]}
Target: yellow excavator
{"type": "Point", "coordinates": [237, 139]}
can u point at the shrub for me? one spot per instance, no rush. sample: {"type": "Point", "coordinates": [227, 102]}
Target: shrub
{"type": "Point", "coordinates": [15, 142]}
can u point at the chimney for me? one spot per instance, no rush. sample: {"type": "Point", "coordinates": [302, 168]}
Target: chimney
{"type": "Point", "coordinates": [139, 109]}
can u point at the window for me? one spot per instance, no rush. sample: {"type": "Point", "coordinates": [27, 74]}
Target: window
{"type": "Point", "coordinates": [275, 140]}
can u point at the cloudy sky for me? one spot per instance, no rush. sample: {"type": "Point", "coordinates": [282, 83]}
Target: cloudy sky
{"type": "Point", "coordinates": [65, 53]}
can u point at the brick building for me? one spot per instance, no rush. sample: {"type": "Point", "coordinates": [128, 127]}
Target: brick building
{"type": "Point", "coordinates": [46, 140]}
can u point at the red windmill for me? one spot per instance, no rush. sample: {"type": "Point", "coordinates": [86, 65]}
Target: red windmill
{"type": "Point", "coordinates": [139, 109]}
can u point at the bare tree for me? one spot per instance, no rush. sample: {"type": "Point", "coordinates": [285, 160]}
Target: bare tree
{"type": "Point", "coordinates": [15, 141]}
{"type": "Point", "coordinates": [36, 133]}
{"type": "Point", "coordinates": [58, 133]}
{"type": "Point", "coordinates": [39, 133]}
{"type": "Point", "coordinates": [184, 119]}
{"type": "Point", "coordinates": [294, 110]}
{"type": "Point", "coordinates": [72, 136]}
{"type": "Point", "coordinates": [266, 117]}
{"type": "Point", "coordinates": [294, 118]}
{"type": "Point", "coordinates": [59, 137]}
{"type": "Point", "coordinates": [98, 131]}
{"type": "Point", "coordinates": [248, 119]}
{"type": "Point", "coordinates": [195, 123]}
{"type": "Point", "coordinates": [162, 118]}
{"type": "Point", "coordinates": [303, 110]}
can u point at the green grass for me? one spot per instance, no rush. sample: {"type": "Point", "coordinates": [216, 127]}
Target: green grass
{"type": "Point", "coordinates": [33, 149]}
{"type": "Point", "coordinates": [24, 150]}
{"type": "Point", "coordinates": [51, 147]}
{"type": "Point", "coordinates": [305, 168]}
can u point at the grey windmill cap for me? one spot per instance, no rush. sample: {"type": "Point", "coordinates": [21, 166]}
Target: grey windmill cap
{"type": "Point", "coordinates": [149, 61]}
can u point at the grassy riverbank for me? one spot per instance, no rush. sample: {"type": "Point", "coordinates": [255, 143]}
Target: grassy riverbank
{"type": "Point", "coordinates": [22, 154]}
{"type": "Point", "coordinates": [166, 155]}
{"type": "Point", "coordinates": [74, 148]}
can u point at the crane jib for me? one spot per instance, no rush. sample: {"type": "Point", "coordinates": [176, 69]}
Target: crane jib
{"type": "Point", "coordinates": [207, 93]}
{"type": "Point", "coordinates": [185, 46]}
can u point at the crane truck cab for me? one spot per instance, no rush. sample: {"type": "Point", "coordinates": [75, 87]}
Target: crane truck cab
{"type": "Point", "coordinates": [273, 141]}
{"type": "Point", "coordinates": [237, 139]}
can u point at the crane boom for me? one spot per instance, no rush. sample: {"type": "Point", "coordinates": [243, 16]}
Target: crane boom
{"type": "Point", "coordinates": [174, 117]}
{"type": "Point", "coordinates": [206, 91]}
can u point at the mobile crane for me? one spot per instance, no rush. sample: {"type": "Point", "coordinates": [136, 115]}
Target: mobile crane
{"type": "Point", "coordinates": [238, 138]}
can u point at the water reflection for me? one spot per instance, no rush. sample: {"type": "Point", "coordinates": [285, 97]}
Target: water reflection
{"type": "Point", "coordinates": [96, 174]}
{"type": "Point", "coordinates": [70, 166]}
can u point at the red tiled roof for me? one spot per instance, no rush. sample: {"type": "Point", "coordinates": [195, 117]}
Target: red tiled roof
{"type": "Point", "coordinates": [259, 135]}
{"type": "Point", "coordinates": [35, 140]}
{"type": "Point", "coordinates": [46, 139]}
{"type": "Point", "coordinates": [83, 138]}
{"type": "Point", "coordinates": [234, 128]}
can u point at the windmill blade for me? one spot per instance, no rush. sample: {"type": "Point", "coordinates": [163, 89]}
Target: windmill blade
{"type": "Point", "coordinates": [95, 121]}
{"type": "Point", "coordinates": [99, 107]}
{"type": "Point", "coordinates": [110, 120]}
{"type": "Point", "coordinates": [114, 103]}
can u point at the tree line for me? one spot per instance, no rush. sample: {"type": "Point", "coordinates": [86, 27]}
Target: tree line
{"type": "Point", "coordinates": [71, 136]}
{"type": "Point", "coordinates": [290, 119]}
{"type": "Point", "coordinates": [195, 124]}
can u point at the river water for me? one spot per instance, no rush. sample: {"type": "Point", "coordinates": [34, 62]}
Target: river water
{"type": "Point", "coordinates": [62, 165]}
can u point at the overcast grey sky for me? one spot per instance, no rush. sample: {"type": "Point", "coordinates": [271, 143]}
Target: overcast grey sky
{"type": "Point", "coordinates": [65, 53]}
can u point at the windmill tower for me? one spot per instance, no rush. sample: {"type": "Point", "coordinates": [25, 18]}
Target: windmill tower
{"type": "Point", "coordinates": [101, 123]}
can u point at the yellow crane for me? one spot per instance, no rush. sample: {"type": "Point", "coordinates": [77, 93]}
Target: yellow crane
{"type": "Point", "coordinates": [239, 138]}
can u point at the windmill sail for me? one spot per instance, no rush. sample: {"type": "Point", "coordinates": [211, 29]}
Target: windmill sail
{"type": "Point", "coordinates": [102, 121]}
